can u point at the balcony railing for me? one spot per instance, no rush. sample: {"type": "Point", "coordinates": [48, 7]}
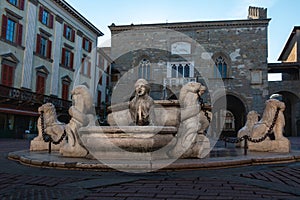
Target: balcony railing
{"type": "Point", "coordinates": [178, 81]}
{"type": "Point", "coordinates": [22, 95]}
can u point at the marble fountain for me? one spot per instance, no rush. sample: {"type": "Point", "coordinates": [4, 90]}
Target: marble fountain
{"type": "Point", "coordinates": [143, 135]}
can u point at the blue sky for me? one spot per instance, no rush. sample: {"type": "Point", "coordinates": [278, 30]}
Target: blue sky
{"type": "Point", "coordinates": [102, 13]}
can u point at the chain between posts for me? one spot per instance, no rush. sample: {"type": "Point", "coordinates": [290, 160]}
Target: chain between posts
{"type": "Point", "coordinates": [47, 137]}
{"type": "Point", "coordinates": [247, 138]}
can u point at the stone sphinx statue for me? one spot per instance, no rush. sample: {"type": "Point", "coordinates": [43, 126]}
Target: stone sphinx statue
{"type": "Point", "coordinates": [252, 118]}
{"type": "Point", "coordinates": [141, 106]}
{"type": "Point", "coordinates": [272, 116]}
{"type": "Point", "coordinates": [52, 127]}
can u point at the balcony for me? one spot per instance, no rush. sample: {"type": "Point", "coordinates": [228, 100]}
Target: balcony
{"type": "Point", "coordinates": [171, 82]}
{"type": "Point", "coordinates": [17, 96]}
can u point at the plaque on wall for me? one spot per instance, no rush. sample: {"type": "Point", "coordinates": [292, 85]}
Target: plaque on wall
{"type": "Point", "coordinates": [181, 48]}
{"type": "Point", "coordinates": [256, 77]}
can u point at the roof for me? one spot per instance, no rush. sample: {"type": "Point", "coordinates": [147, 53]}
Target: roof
{"type": "Point", "coordinates": [78, 16]}
{"type": "Point", "coordinates": [287, 44]}
{"type": "Point", "coordinates": [194, 24]}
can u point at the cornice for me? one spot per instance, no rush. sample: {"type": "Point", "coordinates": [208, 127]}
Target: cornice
{"type": "Point", "coordinates": [199, 24]}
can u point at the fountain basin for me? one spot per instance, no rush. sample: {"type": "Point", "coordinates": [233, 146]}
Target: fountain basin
{"type": "Point", "coordinates": [109, 140]}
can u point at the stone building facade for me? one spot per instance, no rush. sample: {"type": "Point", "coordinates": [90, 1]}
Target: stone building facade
{"type": "Point", "coordinates": [229, 54]}
{"type": "Point", "coordinates": [47, 47]}
{"type": "Point", "coordinates": [289, 86]}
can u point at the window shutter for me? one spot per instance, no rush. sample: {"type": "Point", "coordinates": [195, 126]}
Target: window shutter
{"type": "Point", "coordinates": [49, 48]}
{"type": "Point", "coordinates": [65, 91]}
{"type": "Point", "coordinates": [10, 76]}
{"type": "Point", "coordinates": [4, 26]}
{"type": "Point", "coordinates": [51, 21]}
{"type": "Point", "coordinates": [4, 75]}
{"type": "Point", "coordinates": [83, 42]}
{"type": "Point", "coordinates": [63, 56]}
{"type": "Point", "coordinates": [21, 5]}
{"type": "Point", "coordinates": [82, 66]}
{"type": "Point", "coordinates": [40, 85]}
{"type": "Point", "coordinates": [73, 35]}
{"type": "Point", "coordinates": [90, 46]}
{"type": "Point", "coordinates": [72, 60]}
{"type": "Point", "coordinates": [65, 30]}
{"type": "Point", "coordinates": [89, 69]}
{"type": "Point", "coordinates": [41, 13]}
{"type": "Point", "coordinates": [38, 43]}
{"type": "Point", "coordinates": [20, 34]}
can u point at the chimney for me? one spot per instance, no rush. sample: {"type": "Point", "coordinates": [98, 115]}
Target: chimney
{"type": "Point", "coordinates": [257, 13]}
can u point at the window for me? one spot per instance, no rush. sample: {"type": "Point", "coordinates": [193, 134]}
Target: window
{"type": "Point", "coordinates": [66, 82]}
{"type": "Point", "coordinates": [43, 46]}
{"type": "Point", "coordinates": [7, 73]}
{"type": "Point", "coordinates": [221, 66]}
{"type": "Point", "coordinates": [144, 69]}
{"type": "Point", "coordinates": [45, 17]}
{"type": "Point", "coordinates": [18, 3]}
{"type": "Point", "coordinates": [86, 44]}
{"type": "Point", "coordinates": [65, 90]}
{"type": "Point", "coordinates": [86, 67]}
{"type": "Point", "coordinates": [181, 70]}
{"type": "Point", "coordinates": [40, 83]}
{"type": "Point", "coordinates": [69, 33]}
{"type": "Point", "coordinates": [67, 58]}
{"type": "Point", "coordinates": [11, 30]}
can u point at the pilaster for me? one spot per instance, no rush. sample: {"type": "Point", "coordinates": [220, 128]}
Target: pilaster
{"type": "Point", "coordinates": [30, 36]}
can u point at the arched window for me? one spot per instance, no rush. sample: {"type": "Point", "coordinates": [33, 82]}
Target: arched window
{"type": "Point", "coordinates": [221, 66]}
{"type": "Point", "coordinates": [144, 69]}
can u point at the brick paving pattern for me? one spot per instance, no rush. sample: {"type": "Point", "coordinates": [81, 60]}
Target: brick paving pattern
{"type": "Point", "coordinates": [17, 181]}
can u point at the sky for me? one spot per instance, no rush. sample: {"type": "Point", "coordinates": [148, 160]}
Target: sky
{"type": "Point", "coordinates": [284, 15]}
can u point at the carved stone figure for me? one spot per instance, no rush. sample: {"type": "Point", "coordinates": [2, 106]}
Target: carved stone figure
{"type": "Point", "coordinates": [82, 113]}
{"type": "Point", "coordinates": [280, 143]}
{"type": "Point", "coordinates": [252, 118]}
{"type": "Point", "coordinates": [52, 126]}
{"type": "Point", "coordinates": [141, 106]}
{"type": "Point", "coordinates": [188, 142]}
{"type": "Point", "coordinates": [204, 121]}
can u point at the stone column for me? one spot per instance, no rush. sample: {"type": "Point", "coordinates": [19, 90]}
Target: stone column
{"type": "Point", "coordinates": [30, 36]}
{"type": "Point", "coordinates": [56, 55]}
{"type": "Point", "coordinates": [77, 58]}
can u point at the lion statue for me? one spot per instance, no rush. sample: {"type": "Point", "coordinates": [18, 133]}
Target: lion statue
{"type": "Point", "coordinates": [188, 142]}
{"type": "Point", "coordinates": [252, 118]}
{"type": "Point", "coordinates": [141, 106]}
{"type": "Point", "coordinates": [280, 143]}
{"type": "Point", "coordinates": [52, 126]}
{"type": "Point", "coordinates": [82, 113]}
{"type": "Point", "coordinates": [204, 121]}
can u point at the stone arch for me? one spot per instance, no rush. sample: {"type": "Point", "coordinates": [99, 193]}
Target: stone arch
{"type": "Point", "coordinates": [291, 113]}
{"type": "Point", "coordinates": [235, 105]}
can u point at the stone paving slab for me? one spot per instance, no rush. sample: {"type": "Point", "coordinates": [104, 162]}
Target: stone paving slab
{"type": "Point", "coordinates": [279, 179]}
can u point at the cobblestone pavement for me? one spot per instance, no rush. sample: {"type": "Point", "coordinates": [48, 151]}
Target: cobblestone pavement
{"type": "Point", "coordinates": [277, 181]}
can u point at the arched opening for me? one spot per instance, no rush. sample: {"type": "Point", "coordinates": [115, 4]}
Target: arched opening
{"type": "Point", "coordinates": [291, 113]}
{"type": "Point", "coordinates": [232, 117]}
